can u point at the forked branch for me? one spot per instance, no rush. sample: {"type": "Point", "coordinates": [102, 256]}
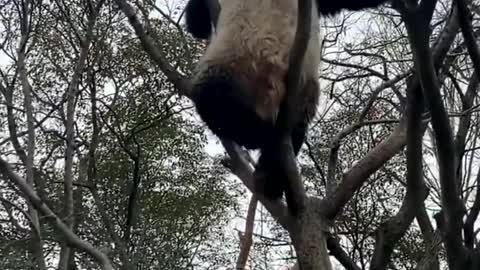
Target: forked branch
{"type": "Point", "coordinates": [465, 19]}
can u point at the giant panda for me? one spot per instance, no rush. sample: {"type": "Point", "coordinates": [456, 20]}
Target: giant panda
{"type": "Point", "coordinates": [239, 83]}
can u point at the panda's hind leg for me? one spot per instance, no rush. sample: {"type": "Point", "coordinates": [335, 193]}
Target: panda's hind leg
{"type": "Point", "coordinates": [270, 178]}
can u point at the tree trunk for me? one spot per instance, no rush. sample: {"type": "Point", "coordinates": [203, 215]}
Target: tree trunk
{"type": "Point", "coordinates": [309, 237]}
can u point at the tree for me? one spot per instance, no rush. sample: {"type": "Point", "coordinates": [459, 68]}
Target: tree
{"type": "Point", "coordinates": [105, 160]}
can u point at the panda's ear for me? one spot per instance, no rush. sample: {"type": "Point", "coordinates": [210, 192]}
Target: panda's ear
{"type": "Point", "coordinates": [331, 7]}
{"type": "Point", "coordinates": [198, 19]}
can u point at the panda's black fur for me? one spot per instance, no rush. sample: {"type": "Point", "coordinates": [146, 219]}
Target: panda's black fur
{"type": "Point", "coordinates": [332, 7]}
{"type": "Point", "coordinates": [239, 83]}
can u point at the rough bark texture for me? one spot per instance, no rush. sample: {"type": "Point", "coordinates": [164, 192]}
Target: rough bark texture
{"type": "Point", "coordinates": [309, 234]}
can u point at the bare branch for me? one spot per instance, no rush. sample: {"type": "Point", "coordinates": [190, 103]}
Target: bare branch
{"type": "Point", "coordinates": [375, 158]}
{"type": "Point", "coordinates": [37, 242]}
{"type": "Point", "coordinates": [390, 232]}
{"type": "Point", "coordinates": [246, 238]}
{"type": "Point", "coordinates": [465, 19]}
{"type": "Point", "coordinates": [31, 222]}
{"type": "Point", "coordinates": [335, 143]}
{"type": "Point", "coordinates": [358, 174]}
{"type": "Point", "coordinates": [337, 251]}
{"type": "Point", "coordinates": [369, 71]}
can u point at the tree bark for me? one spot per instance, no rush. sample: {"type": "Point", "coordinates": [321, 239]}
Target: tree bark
{"type": "Point", "coordinates": [309, 234]}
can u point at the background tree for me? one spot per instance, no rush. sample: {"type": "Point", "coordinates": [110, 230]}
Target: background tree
{"type": "Point", "coordinates": [96, 131]}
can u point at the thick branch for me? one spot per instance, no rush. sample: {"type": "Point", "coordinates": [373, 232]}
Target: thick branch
{"type": "Point", "coordinates": [429, 259]}
{"type": "Point", "coordinates": [37, 242]}
{"type": "Point", "coordinates": [460, 143]}
{"type": "Point", "coordinates": [452, 205]}
{"type": "Point", "coordinates": [431, 239]}
{"type": "Point", "coordinates": [337, 251]}
{"type": "Point", "coordinates": [390, 232]}
{"type": "Point", "coordinates": [357, 175]}
{"type": "Point", "coordinates": [133, 194]}
{"type": "Point", "coordinates": [472, 216]}
{"type": "Point", "coordinates": [295, 191]}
